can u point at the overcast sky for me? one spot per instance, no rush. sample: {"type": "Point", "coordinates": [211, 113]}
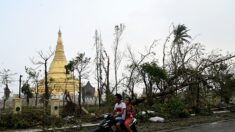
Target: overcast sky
{"type": "Point", "coordinates": [27, 26]}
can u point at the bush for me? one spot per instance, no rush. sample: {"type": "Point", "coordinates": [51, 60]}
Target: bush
{"type": "Point", "coordinates": [14, 121]}
{"type": "Point", "coordinates": [30, 117]}
{"type": "Point", "coordinates": [177, 108]}
{"type": "Point", "coordinates": [172, 108]}
{"type": "Point", "coordinates": [161, 109]}
{"type": "Point", "coordinates": [5, 121]}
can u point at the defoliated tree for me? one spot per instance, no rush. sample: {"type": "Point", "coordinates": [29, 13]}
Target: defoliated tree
{"type": "Point", "coordinates": [106, 67]}
{"type": "Point", "coordinates": [80, 65]}
{"type": "Point", "coordinates": [187, 65]}
{"type": "Point", "coordinates": [98, 61]}
{"type": "Point", "coordinates": [134, 68]}
{"type": "Point", "coordinates": [117, 56]}
{"type": "Point", "coordinates": [44, 58]}
{"type": "Point", "coordinates": [6, 78]}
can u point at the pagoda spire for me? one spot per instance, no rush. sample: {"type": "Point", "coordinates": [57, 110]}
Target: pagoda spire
{"type": "Point", "coordinates": [59, 52]}
{"type": "Point", "coordinates": [57, 69]}
{"type": "Point", "coordinates": [59, 80]}
{"type": "Point", "coordinates": [59, 33]}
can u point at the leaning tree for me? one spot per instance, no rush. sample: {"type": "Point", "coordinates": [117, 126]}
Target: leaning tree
{"type": "Point", "coordinates": [80, 65]}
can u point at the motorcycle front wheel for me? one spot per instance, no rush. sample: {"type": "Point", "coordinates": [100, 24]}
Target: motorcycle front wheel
{"type": "Point", "coordinates": [109, 130]}
{"type": "Point", "coordinates": [133, 128]}
{"type": "Point", "coordinates": [98, 129]}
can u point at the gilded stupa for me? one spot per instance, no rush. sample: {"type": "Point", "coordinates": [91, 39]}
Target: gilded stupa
{"type": "Point", "coordinates": [58, 80]}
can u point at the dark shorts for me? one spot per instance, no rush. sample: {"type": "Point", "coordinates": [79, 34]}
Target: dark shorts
{"type": "Point", "coordinates": [119, 121]}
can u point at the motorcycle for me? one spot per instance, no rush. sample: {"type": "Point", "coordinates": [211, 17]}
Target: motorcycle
{"type": "Point", "coordinates": [109, 121]}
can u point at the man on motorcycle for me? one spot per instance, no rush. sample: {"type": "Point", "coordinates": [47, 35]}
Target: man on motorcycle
{"type": "Point", "coordinates": [119, 112]}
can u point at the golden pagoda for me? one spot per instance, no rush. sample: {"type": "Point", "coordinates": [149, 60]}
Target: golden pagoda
{"type": "Point", "coordinates": [58, 80]}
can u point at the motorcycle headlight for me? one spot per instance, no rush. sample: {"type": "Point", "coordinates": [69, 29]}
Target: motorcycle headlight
{"type": "Point", "coordinates": [105, 116]}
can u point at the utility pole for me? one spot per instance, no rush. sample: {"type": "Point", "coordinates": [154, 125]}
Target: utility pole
{"type": "Point", "coordinates": [20, 85]}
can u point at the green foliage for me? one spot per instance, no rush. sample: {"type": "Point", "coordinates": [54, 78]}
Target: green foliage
{"type": "Point", "coordinates": [29, 118]}
{"type": "Point", "coordinates": [6, 92]}
{"type": "Point", "coordinates": [152, 75]}
{"type": "Point", "coordinates": [69, 67]}
{"type": "Point", "coordinates": [177, 108]}
{"type": "Point", "coordinates": [172, 108]}
{"type": "Point", "coordinates": [26, 90]}
{"type": "Point", "coordinates": [227, 88]}
{"type": "Point", "coordinates": [79, 63]}
{"type": "Point", "coordinates": [154, 71]}
{"type": "Point", "coordinates": [162, 109]}
{"type": "Point", "coordinates": [181, 34]}
{"type": "Point", "coordinates": [16, 121]}
{"type": "Point", "coordinates": [32, 74]}
{"type": "Point", "coordinates": [69, 109]}
{"type": "Point", "coordinates": [224, 79]}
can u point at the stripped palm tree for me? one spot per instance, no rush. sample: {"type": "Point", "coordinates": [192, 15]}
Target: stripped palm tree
{"type": "Point", "coordinates": [181, 37]}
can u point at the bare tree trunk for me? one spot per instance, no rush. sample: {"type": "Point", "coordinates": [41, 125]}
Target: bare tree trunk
{"type": "Point", "coordinates": [20, 85]}
{"type": "Point", "coordinates": [198, 99]}
{"type": "Point", "coordinates": [98, 65]}
{"type": "Point", "coordinates": [27, 101]}
{"type": "Point", "coordinates": [115, 71]}
{"type": "Point", "coordinates": [36, 101]}
{"type": "Point", "coordinates": [46, 86]}
{"type": "Point", "coordinates": [79, 97]}
{"type": "Point", "coordinates": [117, 59]}
{"type": "Point", "coordinates": [4, 104]}
{"type": "Point", "coordinates": [74, 89]}
{"type": "Point", "coordinates": [100, 74]}
{"type": "Point", "coordinates": [107, 82]}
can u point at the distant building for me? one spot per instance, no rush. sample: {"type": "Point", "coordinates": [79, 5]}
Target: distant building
{"type": "Point", "coordinates": [88, 90]}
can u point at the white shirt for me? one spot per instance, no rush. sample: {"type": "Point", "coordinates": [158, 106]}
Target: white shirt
{"type": "Point", "coordinates": [119, 107]}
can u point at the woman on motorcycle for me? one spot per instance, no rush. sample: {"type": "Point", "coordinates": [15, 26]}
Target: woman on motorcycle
{"type": "Point", "coordinates": [129, 113]}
